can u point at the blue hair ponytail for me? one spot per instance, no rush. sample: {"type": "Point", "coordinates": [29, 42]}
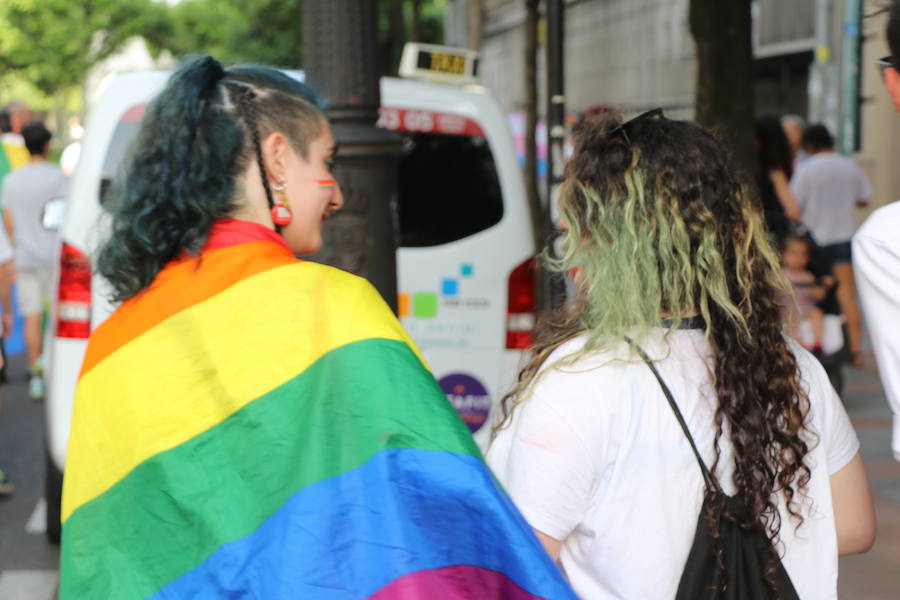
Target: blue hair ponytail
{"type": "Point", "coordinates": [183, 167]}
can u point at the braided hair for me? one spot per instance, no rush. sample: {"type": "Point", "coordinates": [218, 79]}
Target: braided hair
{"type": "Point", "coordinates": [196, 141]}
{"type": "Point", "coordinates": [243, 96]}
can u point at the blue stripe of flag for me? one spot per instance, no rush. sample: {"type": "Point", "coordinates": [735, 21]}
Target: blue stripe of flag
{"type": "Point", "coordinates": [348, 536]}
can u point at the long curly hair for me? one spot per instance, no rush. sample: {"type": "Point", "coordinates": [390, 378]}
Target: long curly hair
{"type": "Point", "coordinates": [197, 138]}
{"type": "Point", "coordinates": [773, 152]}
{"type": "Point", "coordinates": [661, 223]}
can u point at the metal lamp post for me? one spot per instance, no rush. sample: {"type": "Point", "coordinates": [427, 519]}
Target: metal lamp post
{"type": "Point", "coordinates": [341, 63]}
{"type": "Point", "coordinates": [553, 285]}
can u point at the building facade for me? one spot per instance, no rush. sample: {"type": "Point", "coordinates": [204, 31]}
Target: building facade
{"type": "Point", "coordinates": [814, 58]}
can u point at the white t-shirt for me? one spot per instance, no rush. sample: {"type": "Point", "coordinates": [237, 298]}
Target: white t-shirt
{"type": "Point", "coordinates": [876, 260]}
{"type": "Point", "coordinates": [596, 458]}
{"type": "Point", "coordinates": [828, 187]}
{"type": "Point", "coordinates": [25, 192]}
{"type": "Point", "coordinates": [6, 249]}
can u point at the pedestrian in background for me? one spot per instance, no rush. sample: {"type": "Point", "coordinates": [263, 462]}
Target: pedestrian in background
{"type": "Point", "coordinates": [24, 194]}
{"type": "Point", "coordinates": [13, 153]}
{"type": "Point", "coordinates": [774, 169]}
{"type": "Point", "coordinates": [794, 126]}
{"type": "Point", "coordinates": [673, 262]}
{"type": "Point", "coordinates": [828, 187]}
{"type": "Point", "coordinates": [6, 275]}
{"type": "Point", "coordinates": [876, 255]}
{"type": "Point", "coordinates": [808, 290]}
{"type": "Point", "coordinates": [5, 127]}
{"type": "Point", "coordinates": [250, 424]}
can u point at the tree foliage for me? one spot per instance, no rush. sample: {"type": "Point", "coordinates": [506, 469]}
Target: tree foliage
{"type": "Point", "coordinates": [401, 21]}
{"type": "Point", "coordinates": [52, 44]}
{"type": "Point", "coordinates": [235, 31]}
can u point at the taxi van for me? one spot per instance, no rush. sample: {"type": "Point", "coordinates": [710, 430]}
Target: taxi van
{"type": "Point", "coordinates": [465, 286]}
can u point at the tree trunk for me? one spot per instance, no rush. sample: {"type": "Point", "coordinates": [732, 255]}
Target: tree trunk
{"type": "Point", "coordinates": [416, 21]}
{"type": "Point", "coordinates": [396, 37]}
{"type": "Point", "coordinates": [475, 14]}
{"type": "Point", "coordinates": [531, 184]}
{"type": "Point", "coordinates": [724, 96]}
{"type": "Point", "coordinates": [340, 46]}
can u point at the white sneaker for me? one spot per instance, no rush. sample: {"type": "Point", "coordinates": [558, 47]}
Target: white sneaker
{"type": "Point", "coordinates": [36, 387]}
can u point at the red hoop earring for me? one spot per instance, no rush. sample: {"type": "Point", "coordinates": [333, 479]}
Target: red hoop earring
{"type": "Point", "coordinates": [281, 212]}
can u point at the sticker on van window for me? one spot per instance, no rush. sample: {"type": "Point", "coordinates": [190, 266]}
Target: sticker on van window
{"type": "Point", "coordinates": [469, 397]}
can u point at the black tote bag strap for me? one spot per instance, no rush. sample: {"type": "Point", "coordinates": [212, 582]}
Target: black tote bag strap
{"type": "Point", "coordinates": [707, 476]}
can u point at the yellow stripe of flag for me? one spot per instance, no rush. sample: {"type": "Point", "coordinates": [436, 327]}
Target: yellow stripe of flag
{"type": "Point", "coordinates": [193, 370]}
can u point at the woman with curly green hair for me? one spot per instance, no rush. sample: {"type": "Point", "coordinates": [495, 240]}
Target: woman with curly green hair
{"type": "Point", "coordinates": [675, 272]}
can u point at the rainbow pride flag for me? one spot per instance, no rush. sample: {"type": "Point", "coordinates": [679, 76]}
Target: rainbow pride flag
{"type": "Point", "coordinates": [254, 426]}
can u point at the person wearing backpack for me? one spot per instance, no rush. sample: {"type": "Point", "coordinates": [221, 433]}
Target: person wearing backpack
{"type": "Point", "coordinates": [666, 438]}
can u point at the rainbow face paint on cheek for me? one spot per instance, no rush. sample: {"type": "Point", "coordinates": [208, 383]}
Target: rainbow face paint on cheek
{"type": "Point", "coordinates": [326, 183]}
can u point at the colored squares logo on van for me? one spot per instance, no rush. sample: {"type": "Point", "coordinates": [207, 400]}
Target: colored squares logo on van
{"type": "Point", "coordinates": [449, 287]}
{"type": "Point", "coordinates": [466, 270]}
{"type": "Point", "coordinates": [425, 305]}
{"type": "Point", "coordinates": [403, 304]}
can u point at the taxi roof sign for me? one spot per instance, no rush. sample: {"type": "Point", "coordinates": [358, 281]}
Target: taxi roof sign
{"type": "Point", "coordinates": [440, 64]}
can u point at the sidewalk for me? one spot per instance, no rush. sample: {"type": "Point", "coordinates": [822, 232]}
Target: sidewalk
{"type": "Point", "coordinates": [875, 575]}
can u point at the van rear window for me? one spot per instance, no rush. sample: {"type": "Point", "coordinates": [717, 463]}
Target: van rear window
{"type": "Point", "coordinates": [448, 184]}
{"type": "Point", "coordinates": [124, 133]}
{"type": "Point", "coordinates": [448, 189]}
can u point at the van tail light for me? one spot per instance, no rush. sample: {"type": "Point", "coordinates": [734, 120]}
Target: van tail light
{"type": "Point", "coordinates": [73, 299]}
{"type": "Point", "coordinates": [522, 307]}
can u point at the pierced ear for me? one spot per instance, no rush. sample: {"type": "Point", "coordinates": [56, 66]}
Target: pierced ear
{"type": "Point", "coordinates": [275, 149]}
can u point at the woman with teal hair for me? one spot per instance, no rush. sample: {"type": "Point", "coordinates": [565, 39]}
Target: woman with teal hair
{"type": "Point", "coordinates": [668, 409]}
{"type": "Point", "coordinates": [250, 425]}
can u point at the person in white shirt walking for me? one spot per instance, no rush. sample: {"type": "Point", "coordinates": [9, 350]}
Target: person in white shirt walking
{"type": "Point", "coordinates": [794, 127]}
{"type": "Point", "coordinates": [25, 192]}
{"type": "Point", "coordinates": [876, 254]}
{"type": "Point", "coordinates": [670, 254]}
{"type": "Point", "coordinates": [829, 187]}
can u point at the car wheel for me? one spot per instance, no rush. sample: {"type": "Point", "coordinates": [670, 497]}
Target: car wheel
{"type": "Point", "coordinates": [53, 480]}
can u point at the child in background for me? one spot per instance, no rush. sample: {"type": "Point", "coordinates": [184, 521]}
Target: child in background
{"type": "Point", "coordinates": [807, 291]}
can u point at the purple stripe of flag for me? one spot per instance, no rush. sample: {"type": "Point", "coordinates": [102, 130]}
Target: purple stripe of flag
{"type": "Point", "coordinates": [459, 582]}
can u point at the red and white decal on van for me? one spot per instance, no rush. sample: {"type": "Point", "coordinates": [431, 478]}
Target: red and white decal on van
{"type": "Point", "coordinates": [426, 121]}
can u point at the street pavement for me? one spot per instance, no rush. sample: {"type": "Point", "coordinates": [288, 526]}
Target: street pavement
{"type": "Point", "coordinates": [28, 563]}
{"type": "Point", "coordinates": [876, 574]}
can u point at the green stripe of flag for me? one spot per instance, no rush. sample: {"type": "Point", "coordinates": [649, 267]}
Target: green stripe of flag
{"type": "Point", "coordinates": [172, 511]}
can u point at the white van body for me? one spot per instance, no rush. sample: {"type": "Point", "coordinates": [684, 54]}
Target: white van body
{"type": "Point", "coordinates": [453, 293]}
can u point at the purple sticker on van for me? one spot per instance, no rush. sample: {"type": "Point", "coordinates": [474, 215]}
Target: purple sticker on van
{"type": "Point", "coordinates": [469, 397]}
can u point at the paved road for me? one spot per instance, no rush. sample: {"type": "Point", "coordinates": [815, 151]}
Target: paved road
{"type": "Point", "coordinates": [28, 562]}
{"type": "Point", "coordinates": [875, 575]}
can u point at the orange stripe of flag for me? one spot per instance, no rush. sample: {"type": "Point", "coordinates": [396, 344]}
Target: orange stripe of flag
{"type": "Point", "coordinates": [216, 270]}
